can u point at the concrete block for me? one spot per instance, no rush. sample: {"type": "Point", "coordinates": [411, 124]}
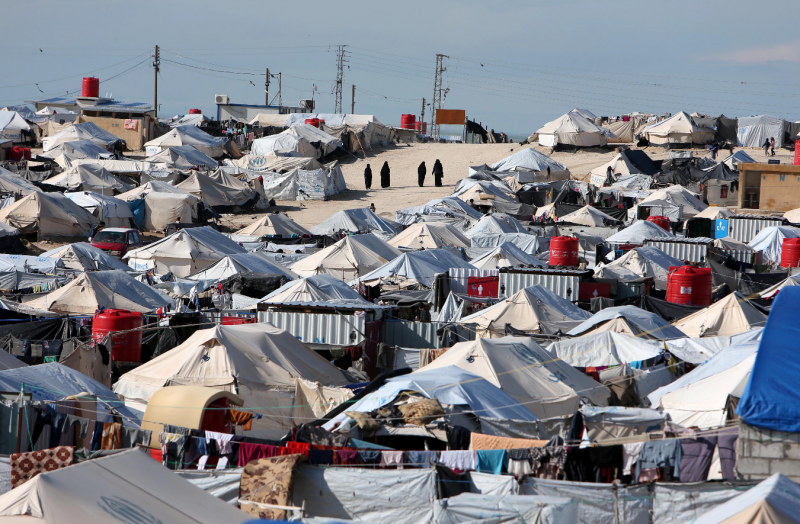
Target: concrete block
{"type": "Point", "coordinates": [773, 450]}
{"type": "Point", "coordinates": [753, 466]}
{"type": "Point", "coordinates": [790, 468]}
{"type": "Point", "coordinates": [792, 451]}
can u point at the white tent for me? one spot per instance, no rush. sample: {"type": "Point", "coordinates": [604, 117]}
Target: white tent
{"type": "Point", "coordinates": [266, 366]}
{"type": "Point", "coordinates": [571, 129]}
{"type": "Point", "coordinates": [524, 311]}
{"type": "Point", "coordinates": [48, 214]}
{"type": "Point", "coordinates": [89, 177]}
{"type": "Point", "coordinates": [483, 192]}
{"type": "Point", "coordinates": [12, 124]}
{"type": "Point", "coordinates": [678, 196]}
{"type": "Point", "coordinates": [623, 131]}
{"type": "Point", "coordinates": [530, 160]}
{"type": "Point", "coordinates": [85, 257]}
{"type": "Point", "coordinates": [182, 157]}
{"type": "Point", "coordinates": [714, 213]}
{"type": "Point", "coordinates": [274, 224]}
{"type": "Point", "coordinates": [530, 244]}
{"type": "Point", "coordinates": [23, 110]}
{"type": "Point", "coordinates": [772, 501]}
{"type": "Point", "coordinates": [320, 289]}
{"type": "Point", "coordinates": [678, 129]}
{"type": "Point", "coordinates": [231, 265]}
{"type": "Point", "coordinates": [164, 204]}
{"type": "Point", "coordinates": [184, 252]}
{"type": "Point", "coordinates": [772, 291]}
{"type": "Point", "coordinates": [219, 192]}
{"type": "Point", "coordinates": [429, 235]}
{"type": "Point", "coordinates": [301, 184]}
{"type": "Point", "coordinates": [95, 290]}
{"type": "Point", "coordinates": [589, 216]}
{"type": "Point", "coordinates": [624, 163]}
{"type": "Point", "coordinates": [506, 255]}
{"type": "Point", "coordinates": [520, 367]}
{"type": "Point", "coordinates": [450, 210]}
{"type": "Point", "coordinates": [192, 119]}
{"type": "Point", "coordinates": [495, 223]}
{"type": "Point", "coordinates": [188, 135]}
{"type": "Point", "coordinates": [605, 348]}
{"type": "Point", "coordinates": [15, 184]}
{"type": "Point", "coordinates": [643, 321]}
{"type": "Point", "coordinates": [362, 220]}
{"type": "Point", "coordinates": [753, 131]}
{"type": "Point", "coordinates": [728, 316]}
{"type": "Point", "coordinates": [414, 269]}
{"type": "Point", "coordinates": [303, 138]}
{"type": "Point", "coordinates": [348, 258]}
{"type": "Point", "coordinates": [112, 211]}
{"type": "Point", "coordinates": [78, 149]}
{"type": "Point", "coordinates": [640, 262]}
{"type": "Point", "coordinates": [638, 232]}
{"type": "Point", "coordinates": [770, 241]}
{"type": "Point", "coordinates": [84, 131]}
{"type": "Point", "coordinates": [125, 487]}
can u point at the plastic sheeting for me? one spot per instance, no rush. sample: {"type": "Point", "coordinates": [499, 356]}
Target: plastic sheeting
{"type": "Point", "coordinates": [606, 348]}
{"type": "Point", "coordinates": [188, 135]}
{"type": "Point", "coordinates": [429, 235]}
{"type": "Point", "coordinates": [303, 138]}
{"type": "Point", "coordinates": [43, 263]}
{"type": "Point", "coordinates": [529, 159]}
{"type": "Point", "coordinates": [361, 220]}
{"type": "Point", "coordinates": [348, 258]}
{"type": "Point", "coordinates": [773, 500]}
{"type": "Point", "coordinates": [240, 263]}
{"type": "Point", "coordinates": [222, 484]}
{"type": "Point", "coordinates": [637, 233]}
{"type": "Point", "coordinates": [323, 290]}
{"type": "Point", "coordinates": [512, 509]}
{"type": "Point", "coordinates": [770, 241]}
{"type": "Point", "coordinates": [506, 255]}
{"type": "Point", "coordinates": [753, 131]}
{"type": "Point", "coordinates": [699, 350]}
{"type": "Point", "coordinates": [183, 157]}
{"type": "Point", "coordinates": [89, 177]}
{"type": "Point", "coordinates": [84, 131]}
{"type": "Point", "coordinates": [526, 242]}
{"type": "Point", "coordinates": [110, 210]}
{"type": "Point", "coordinates": [640, 262]}
{"type": "Point", "coordinates": [398, 496]}
{"type": "Point", "coordinates": [85, 257]}
{"type": "Point", "coordinates": [416, 267]}
{"type": "Point", "coordinates": [449, 209]}
{"type": "Point", "coordinates": [650, 323]}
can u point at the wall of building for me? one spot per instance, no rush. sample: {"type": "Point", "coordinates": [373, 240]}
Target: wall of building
{"type": "Point", "coordinates": [134, 138]}
{"type": "Point", "coordinates": [246, 113]}
{"type": "Point", "coordinates": [776, 187]}
{"type": "Point", "coordinates": [714, 194]}
{"type": "Point", "coordinates": [763, 452]}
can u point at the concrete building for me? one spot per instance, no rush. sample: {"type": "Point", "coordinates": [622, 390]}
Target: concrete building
{"type": "Point", "coordinates": [771, 187]}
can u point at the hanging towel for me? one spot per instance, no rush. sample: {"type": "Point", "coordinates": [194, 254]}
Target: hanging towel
{"type": "Point", "coordinates": [491, 460]}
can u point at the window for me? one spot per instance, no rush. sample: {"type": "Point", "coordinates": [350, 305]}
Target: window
{"type": "Point", "coordinates": [114, 237]}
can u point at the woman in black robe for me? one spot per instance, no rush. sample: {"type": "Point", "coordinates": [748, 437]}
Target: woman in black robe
{"type": "Point", "coordinates": [421, 172]}
{"type": "Point", "coordinates": [368, 177]}
{"type": "Point", "coordinates": [438, 173]}
{"type": "Point", "coordinates": [385, 175]}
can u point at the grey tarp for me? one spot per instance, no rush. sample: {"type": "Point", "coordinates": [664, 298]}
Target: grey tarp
{"type": "Point", "coordinates": [650, 323]}
{"type": "Point", "coordinates": [183, 157]}
{"type": "Point", "coordinates": [517, 509]}
{"type": "Point", "coordinates": [85, 257]}
{"type": "Point", "coordinates": [526, 242]}
{"type": "Point", "coordinates": [222, 484]}
{"type": "Point", "coordinates": [418, 266]}
{"type": "Point", "coordinates": [361, 220]}
{"type": "Point", "coordinates": [449, 209]}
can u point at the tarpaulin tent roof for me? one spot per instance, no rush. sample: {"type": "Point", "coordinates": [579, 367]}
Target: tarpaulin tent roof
{"type": "Point", "coordinates": [678, 129]}
{"type": "Point", "coordinates": [303, 138]}
{"type": "Point", "coordinates": [645, 321]}
{"type": "Point", "coordinates": [589, 216]}
{"type": "Point", "coordinates": [506, 255]}
{"type": "Point", "coordinates": [154, 186]}
{"type": "Point", "coordinates": [753, 131]}
{"type": "Point", "coordinates": [771, 400]}
{"type": "Point", "coordinates": [739, 157]}
{"type": "Point", "coordinates": [640, 262]}
{"type": "Point", "coordinates": [13, 183]}
{"type": "Point", "coordinates": [520, 367]}
{"type": "Point", "coordinates": [524, 311]}
{"type": "Point", "coordinates": [678, 195]}
{"type": "Point", "coordinates": [28, 263]}
{"type": "Point", "coordinates": [85, 257]}
{"type": "Point", "coordinates": [274, 224]}
{"type": "Point", "coordinates": [84, 131]}
{"type": "Point", "coordinates": [332, 119]}
{"type": "Point", "coordinates": [362, 220]}
{"type": "Point", "coordinates": [719, 172]}
{"type": "Point", "coordinates": [197, 119]}
{"type": "Point", "coordinates": [217, 192]}
{"type": "Point", "coordinates": [474, 507]}
{"type": "Point", "coordinates": [318, 290]}
{"type": "Point", "coordinates": [429, 235]}
{"type": "Point", "coordinates": [623, 131]}
{"type": "Point", "coordinates": [714, 212]}
{"type": "Point", "coordinates": [605, 348]}
{"type": "Point", "coordinates": [158, 210]}
{"type": "Point", "coordinates": [301, 184]}
{"type": "Point", "coordinates": [638, 232]}
{"type": "Point", "coordinates": [348, 258]}
{"type": "Point", "coordinates": [48, 214]}
{"type": "Point", "coordinates": [417, 267]}
{"type": "Point", "coordinates": [770, 241]}
{"type": "Point", "coordinates": [495, 223]}
{"type": "Point", "coordinates": [190, 135]}
{"type": "Point", "coordinates": [123, 486]}
{"type": "Point", "coordinates": [241, 263]}
{"type": "Point", "coordinates": [773, 290]}
{"type": "Point", "coordinates": [23, 110]}
{"type": "Point", "coordinates": [282, 163]}
{"type": "Point", "coordinates": [793, 215]}
{"type": "Point", "coordinates": [184, 252]}
{"type": "Point", "coordinates": [528, 243]}
{"type": "Point", "coordinates": [728, 316]}
{"type": "Point", "coordinates": [772, 501]}
{"type": "Point", "coordinates": [183, 157]}
{"type": "Point", "coordinates": [78, 149]}
{"type": "Point", "coordinates": [449, 209]}
{"type": "Point", "coordinates": [700, 397]}
{"type": "Point", "coordinates": [11, 125]}
{"type": "Point", "coordinates": [633, 162]}
{"type": "Point", "coordinates": [14, 280]}
{"type": "Point", "coordinates": [450, 385]}
{"type": "Point", "coordinates": [572, 129]}
{"type": "Point", "coordinates": [585, 113]}
{"type": "Point", "coordinates": [251, 360]}
{"type": "Point", "coordinates": [699, 350]}
{"type": "Point", "coordinates": [102, 290]}
{"type": "Point", "coordinates": [529, 159]}
{"type": "Point", "coordinates": [479, 190]}
{"type": "Point", "coordinates": [89, 177]}
{"type": "Point", "coordinates": [110, 210]}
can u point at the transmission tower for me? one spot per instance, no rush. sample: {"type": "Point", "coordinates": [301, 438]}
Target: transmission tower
{"type": "Point", "coordinates": [340, 61]}
{"type": "Point", "coordinates": [438, 95]}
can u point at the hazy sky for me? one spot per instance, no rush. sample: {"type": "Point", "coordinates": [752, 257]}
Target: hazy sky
{"type": "Point", "coordinates": [514, 64]}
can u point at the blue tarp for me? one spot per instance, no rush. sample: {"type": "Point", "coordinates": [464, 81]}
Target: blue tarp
{"type": "Point", "coordinates": [137, 208]}
{"type": "Point", "coordinates": [771, 399]}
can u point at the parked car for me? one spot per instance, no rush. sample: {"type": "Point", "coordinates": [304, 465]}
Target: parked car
{"type": "Point", "coordinates": [116, 241]}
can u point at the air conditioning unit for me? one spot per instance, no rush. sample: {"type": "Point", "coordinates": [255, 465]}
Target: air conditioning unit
{"type": "Point", "coordinates": [221, 99]}
{"type": "Point", "coordinates": [307, 104]}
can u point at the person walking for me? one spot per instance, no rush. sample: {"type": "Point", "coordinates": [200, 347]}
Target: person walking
{"type": "Point", "coordinates": [421, 172]}
{"type": "Point", "coordinates": [772, 145]}
{"type": "Point", "coordinates": [438, 173]}
{"type": "Point", "coordinates": [766, 147]}
{"type": "Point", "coordinates": [385, 176]}
{"type": "Point", "coordinates": [368, 177]}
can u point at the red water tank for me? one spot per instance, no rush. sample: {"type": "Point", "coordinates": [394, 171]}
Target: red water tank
{"type": "Point", "coordinates": [797, 153]}
{"type": "Point", "coordinates": [663, 222]}
{"type": "Point", "coordinates": [424, 127]}
{"type": "Point", "coordinates": [564, 251]}
{"type": "Point", "coordinates": [91, 87]}
{"type": "Point", "coordinates": [689, 285]}
{"type": "Point", "coordinates": [16, 153]}
{"type": "Point", "coordinates": [790, 252]}
{"type": "Point", "coordinates": [313, 122]}
{"type": "Point", "coordinates": [195, 112]}
{"type": "Point", "coordinates": [127, 346]}
{"type": "Point", "coordinates": [408, 121]}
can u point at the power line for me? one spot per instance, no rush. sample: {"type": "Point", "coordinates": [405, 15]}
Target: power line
{"type": "Point", "coordinates": [73, 76]}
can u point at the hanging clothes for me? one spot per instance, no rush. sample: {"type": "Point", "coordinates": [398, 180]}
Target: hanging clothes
{"type": "Point", "coordinates": [660, 454]}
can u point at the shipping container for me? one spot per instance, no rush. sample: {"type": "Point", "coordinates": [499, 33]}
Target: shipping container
{"type": "Point", "coordinates": [563, 282]}
{"type": "Point", "coordinates": [686, 249]}
{"type": "Point", "coordinates": [745, 227]}
{"type": "Point", "coordinates": [318, 328]}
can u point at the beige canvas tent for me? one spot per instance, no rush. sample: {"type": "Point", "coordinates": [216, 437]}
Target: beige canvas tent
{"type": "Point", "coordinates": [270, 369]}
{"type": "Point", "coordinates": [728, 316]}
{"type": "Point", "coordinates": [571, 129]}
{"type": "Point", "coordinates": [519, 366]}
{"type": "Point", "coordinates": [164, 204]}
{"type": "Point", "coordinates": [430, 235]}
{"type": "Point", "coordinates": [219, 191]}
{"type": "Point", "coordinates": [89, 177]}
{"type": "Point", "coordinates": [274, 224]}
{"type": "Point", "coordinates": [48, 214]}
{"type": "Point", "coordinates": [349, 258]}
{"type": "Point", "coordinates": [524, 311]}
{"type": "Point", "coordinates": [772, 501]}
{"type": "Point", "coordinates": [623, 132]}
{"type": "Point", "coordinates": [589, 216]}
{"type": "Point", "coordinates": [678, 129]}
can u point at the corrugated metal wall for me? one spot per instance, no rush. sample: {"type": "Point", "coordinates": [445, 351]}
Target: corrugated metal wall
{"type": "Point", "coordinates": [419, 334]}
{"type": "Point", "coordinates": [693, 252]}
{"type": "Point", "coordinates": [748, 257]}
{"type": "Point", "coordinates": [745, 229]}
{"type": "Point", "coordinates": [565, 286]}
{"type": "Point", "coordinates": [318, 328]}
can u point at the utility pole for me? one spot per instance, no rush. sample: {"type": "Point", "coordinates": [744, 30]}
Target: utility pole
{"type": "Point", "coordinates": [280, 93]}
{"type": "Point", "coordinates": [340, 61]}
{"type": "Point", "coordinates": [353, 100]}
{"type": "Point", "coordinates": [422, 119]}
{"type": "Point", "coordinates": [156, 65]}
{"type": "Point", "coordinates": [266, 87]}
{"type": "Point", "coordinates": [438, 96]}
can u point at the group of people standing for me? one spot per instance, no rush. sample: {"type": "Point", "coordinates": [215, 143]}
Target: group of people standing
{"type": "Point", "coordinates": [438, 174]}
{"type": "Point", "coordinates": [769, 144]}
